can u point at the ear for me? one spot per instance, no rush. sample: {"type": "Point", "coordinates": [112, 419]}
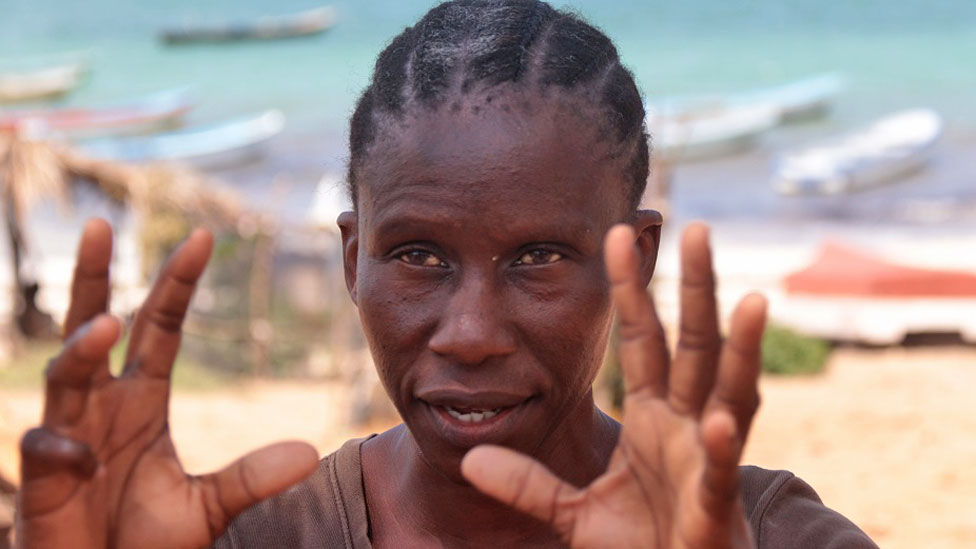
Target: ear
{"type": "Point", "coordinates": [349, 227]}
{"type": "Point", "coordinates": [647, 227]}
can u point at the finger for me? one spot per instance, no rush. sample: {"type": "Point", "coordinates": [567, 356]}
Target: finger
{"type": "Point", "coordinates": [44, 452]}
{"type": "Point", "coordinates": [521, 483]}
{"type": "Point", "coordinates": [719, 489]}
{"type": "Point", "coordinates": [90, 283]}
{"type": "Point", "coordinates": [736, 388]}
{"type": "Point", "coordinates": [156, 331]}
{"type": "Point", "coordinates": [51, 466]}
{"type": "Point", "coordinates": [70, 375]}
{"type": "Point", "coordinates": [255, 477]}
{"type": "Point", "coordinates": [696, 359]}
{"type": "Point", "coordinates": [642, 348]}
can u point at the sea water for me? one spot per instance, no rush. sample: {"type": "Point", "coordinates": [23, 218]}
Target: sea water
{"type": "Point", "coordinates": [895, 54]}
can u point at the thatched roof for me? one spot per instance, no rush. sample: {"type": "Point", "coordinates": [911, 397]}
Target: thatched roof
{"type": "Point", "coordinates": [34, 170]}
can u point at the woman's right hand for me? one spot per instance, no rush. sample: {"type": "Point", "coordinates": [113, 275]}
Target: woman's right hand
{"type": "Point", "coordinates": [101, 469]}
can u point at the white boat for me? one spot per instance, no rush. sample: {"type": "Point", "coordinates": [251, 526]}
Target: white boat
{"type": "Point", "coordinates": [25, 84]}
{"type": "Point", "coordinates": [306, 23]}
{"type": "Point", "coordinates": [799, 100]}
{"type": "Point", "coordinates": [708, 134]}
{"type": "Point", "coordinates": [886, 150]}
{"type": "Point", "coordinates": [218, 145]}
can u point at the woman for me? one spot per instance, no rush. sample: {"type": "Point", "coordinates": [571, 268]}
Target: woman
{"type": "Point", "coordinates": [497, 162]}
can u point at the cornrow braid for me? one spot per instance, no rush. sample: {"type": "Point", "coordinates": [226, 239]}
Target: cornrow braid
{"type": "Point", "coordinates": [461, 44]}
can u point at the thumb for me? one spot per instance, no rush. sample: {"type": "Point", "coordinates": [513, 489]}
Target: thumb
{"type": "Point", "coordinates": [258, 476]}
{"type": "Point", "coordinates": [522, 483]}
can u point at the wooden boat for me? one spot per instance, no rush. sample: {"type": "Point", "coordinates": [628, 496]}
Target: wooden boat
{"type": "Point", "coordinates": [44, 82]}
{"type": "Point", "coordinates": [849, 294]}
{"type": "Point", "coordinates": [885, 151]}
{"type": "Point", "coordinates": [708, 134]}
{"type": "Point", "coordinates": [217, 145]}
{"type": "Point", "coordinates": [800, 100]}
{"type": "Point", "coordinates": [267, 28]}
{"type": "Point", "coordinates": [153, 112]}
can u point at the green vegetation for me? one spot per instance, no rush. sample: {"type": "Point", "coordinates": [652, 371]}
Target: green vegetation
{"type": "Point", "coordinates": [785, 352]}
{"type": "Point", "coordinates": [26, 371]}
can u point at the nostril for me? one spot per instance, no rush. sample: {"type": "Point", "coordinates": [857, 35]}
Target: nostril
{"type": "Point", "coordinates": [471, 338]}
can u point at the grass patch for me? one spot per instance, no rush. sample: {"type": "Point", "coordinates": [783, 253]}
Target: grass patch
{"type": "Point", "coordinates": [26, 371]}
{"type": "Point", "coordinates": [785, 352]}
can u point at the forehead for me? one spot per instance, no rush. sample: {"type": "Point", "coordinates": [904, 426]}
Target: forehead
{"type": "Point", "coordinates": [503, 155]}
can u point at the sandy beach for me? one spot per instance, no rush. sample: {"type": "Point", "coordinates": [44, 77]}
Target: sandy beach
{"type": "Point", "coordinates": [883, 435]}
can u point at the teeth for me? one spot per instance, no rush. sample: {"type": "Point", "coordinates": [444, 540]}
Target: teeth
{"type": "Point", "coordinates": [473, 416]}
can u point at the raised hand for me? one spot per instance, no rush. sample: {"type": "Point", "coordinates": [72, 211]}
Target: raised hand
{"type": "Point", "coordinates": [673, 479]}
{"type": "Point", "coordinates": [101, 470]}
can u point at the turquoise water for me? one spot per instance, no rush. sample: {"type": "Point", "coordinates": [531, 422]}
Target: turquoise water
{"type": "Point", "coordinates": [895, 53]}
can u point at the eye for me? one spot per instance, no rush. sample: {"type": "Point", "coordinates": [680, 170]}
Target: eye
{"type": "Point", "coordinates": [421, 258]}
{"type": "Point", "coordinates": [539, 256]}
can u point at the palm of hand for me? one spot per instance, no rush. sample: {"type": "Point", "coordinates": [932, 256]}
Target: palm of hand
{"type": "Point", "coordinates": [125, 423]}
{"type": "Point", "coordinates": [654, 473]}
{"type": "Point", "coordinates": [672, 481]}
{"type": "Point", "coordinates": [102, 471]}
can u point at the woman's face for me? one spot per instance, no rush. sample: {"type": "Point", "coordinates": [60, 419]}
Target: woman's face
{"type": "Point", "coordinates": [476, 263]}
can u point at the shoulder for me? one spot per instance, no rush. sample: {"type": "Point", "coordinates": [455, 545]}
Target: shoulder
{"type": "Point", "coordinates": [328, 509]}
{"type": "Point", "coordinates": [784, 512]}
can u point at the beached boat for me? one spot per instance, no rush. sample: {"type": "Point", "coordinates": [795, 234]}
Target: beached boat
{"type": "Point", "coordinates": [848, 294]}
{"type": "Point", "coordinates": [708, 134]}
{"type": "Point", "coordinates": [266, 28]}
{"type": "Point", "coordinates": [799, 100]}
{"type": "Point", "coordinates": [885, 151]}
{"type": "Point", "coordinates": [157, 111]}
{"type": "Point", "coordinates": [227, 143]}
{"type": "Point", "coordinates": [40, 82]}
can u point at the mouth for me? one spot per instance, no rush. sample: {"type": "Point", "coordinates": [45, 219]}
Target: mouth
{"type": "Point", "coordinates": [472, 415]}
{"type": "Point", "coordinates": [468, 420]}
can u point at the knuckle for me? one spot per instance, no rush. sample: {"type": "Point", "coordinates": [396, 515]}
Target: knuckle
{"type": "Point", "coordinates": [737, 402]}
{"type": "Point", "coordinates": [699, 283]}
{"type": "Point", "coordinates": [169, 319]}
{"type": "Point", "coordinates": [693, 338]}
{"type": "Point", "coordinates": [32, 443]}
{"type": "Point", "coordinates": [43, 452]}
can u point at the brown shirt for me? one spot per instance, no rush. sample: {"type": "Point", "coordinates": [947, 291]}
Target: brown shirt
{"type": "Point", "coordinates": [328, 510]}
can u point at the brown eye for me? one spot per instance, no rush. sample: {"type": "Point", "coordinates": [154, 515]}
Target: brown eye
{"type": "Point", "coordinates": [539, 256]}
{"type": "Point", "coordinates": [421, 258]}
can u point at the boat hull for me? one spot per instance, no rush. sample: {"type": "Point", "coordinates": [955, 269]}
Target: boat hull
{"type": "Point", "coordinates": [217, 146]}
{"type": "Point", "coordinates": [295, 26]}
{"type": "Point", "coordinates": [42, 83]}
{"type": "Point", "coordinates": [887, 151]}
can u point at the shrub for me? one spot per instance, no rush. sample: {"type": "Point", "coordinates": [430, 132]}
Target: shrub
{"type": "Point", "coordinates": [785, 352]}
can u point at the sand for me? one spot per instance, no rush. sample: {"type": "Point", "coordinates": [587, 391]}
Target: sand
{"type": "Point", "coordinates": [887, 437]}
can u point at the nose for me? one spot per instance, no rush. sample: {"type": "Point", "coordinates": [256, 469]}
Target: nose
{"type": "Point", "coordinates": [473, 327]}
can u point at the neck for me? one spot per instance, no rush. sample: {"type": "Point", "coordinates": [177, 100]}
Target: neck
{"type": "Point", "coordinates": [427, 503]}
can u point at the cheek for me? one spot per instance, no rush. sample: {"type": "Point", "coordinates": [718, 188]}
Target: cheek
{"type": "Point", "coordinates": [570, 334]}
{"type": "Point", "coordinates": [395, 321]}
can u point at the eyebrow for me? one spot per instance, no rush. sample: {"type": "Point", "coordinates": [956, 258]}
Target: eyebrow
{"type": "Point", "coordinates": [554, 232]}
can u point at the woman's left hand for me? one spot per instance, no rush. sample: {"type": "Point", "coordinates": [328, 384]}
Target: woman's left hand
{"type": "Point", "coordinates": [673, 479]}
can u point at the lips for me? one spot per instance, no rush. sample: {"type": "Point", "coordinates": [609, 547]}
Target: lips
{"type": "Point", "coordinates": [467, 418]}
{"type": "Point", "coordinates": [466, 401]}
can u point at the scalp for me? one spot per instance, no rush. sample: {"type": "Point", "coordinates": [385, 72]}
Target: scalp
{"type": "Point", "coordinates": [466, 48]}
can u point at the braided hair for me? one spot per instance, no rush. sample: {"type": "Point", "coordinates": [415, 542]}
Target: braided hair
{"type": "Point", "coordinates": [463, 45]}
